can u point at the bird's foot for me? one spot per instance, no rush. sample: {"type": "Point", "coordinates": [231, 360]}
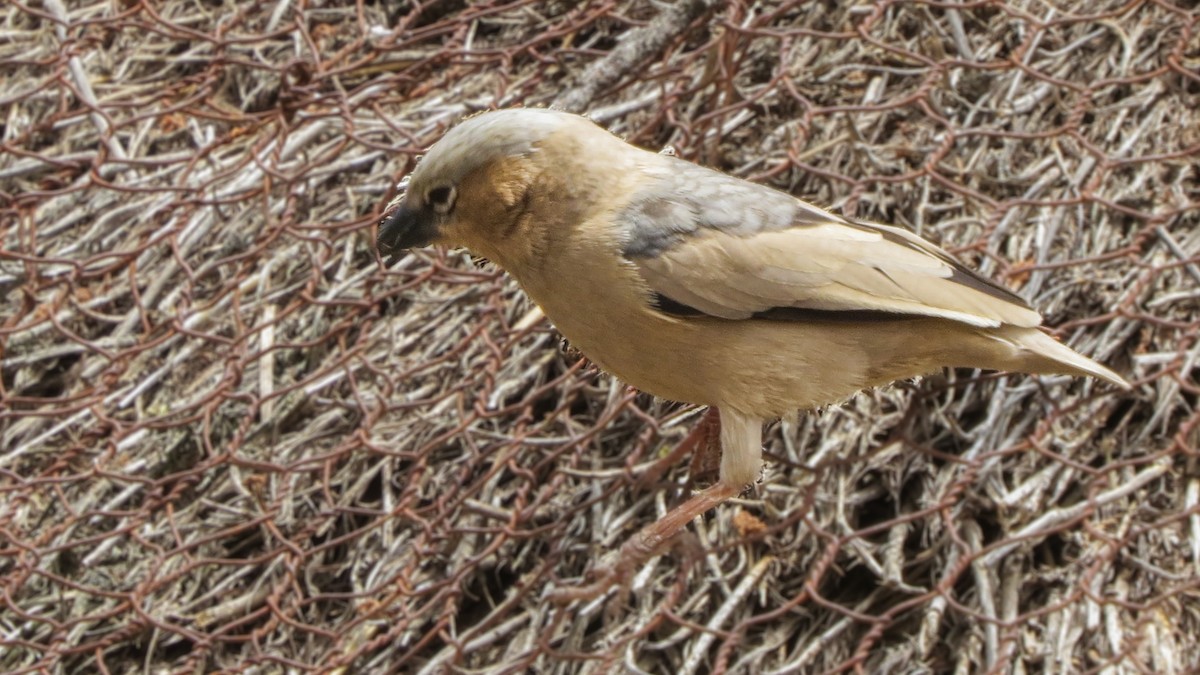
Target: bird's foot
{"type": "Point", "coordinates": [619, 568]}
{"type": "Point", "coordinates": [652, 540]}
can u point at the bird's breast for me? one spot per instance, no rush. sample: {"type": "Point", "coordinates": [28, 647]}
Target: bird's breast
{"type": "Point", "coordinates": [601, 305]}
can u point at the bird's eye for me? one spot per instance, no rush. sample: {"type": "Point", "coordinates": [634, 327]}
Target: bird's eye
{"type": "Point", "coordinates": [441, 198]}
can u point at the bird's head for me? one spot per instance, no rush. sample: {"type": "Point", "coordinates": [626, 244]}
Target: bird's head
{"type": "Point", "coordinates": [491, 184]}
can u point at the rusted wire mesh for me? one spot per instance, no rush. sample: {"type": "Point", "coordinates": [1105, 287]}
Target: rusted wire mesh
{"type": "Point", "coordinates": [229, 437]}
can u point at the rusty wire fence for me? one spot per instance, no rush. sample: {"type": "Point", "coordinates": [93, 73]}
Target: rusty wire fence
{"type": "Point", "coordinates": [231, 439]}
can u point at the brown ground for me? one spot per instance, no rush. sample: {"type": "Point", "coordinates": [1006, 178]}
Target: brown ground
{"type": "Point", "coordinates": [229, 437]}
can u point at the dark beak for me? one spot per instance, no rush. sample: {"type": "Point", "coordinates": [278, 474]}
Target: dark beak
{"type": "Point", "coordinates": [405, 228]}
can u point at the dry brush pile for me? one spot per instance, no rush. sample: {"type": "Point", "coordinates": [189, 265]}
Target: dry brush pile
{"type": "Point", "coordinates": [231, 438]}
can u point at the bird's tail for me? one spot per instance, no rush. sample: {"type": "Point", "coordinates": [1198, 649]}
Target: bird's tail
{"type": "Point", "coordinates": [1030, 350]}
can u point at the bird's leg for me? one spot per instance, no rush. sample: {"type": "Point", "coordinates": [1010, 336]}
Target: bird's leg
{"type": "Point", "coordinates": [696, 442]}
{"type": "Point", "coordinates": [741, 459]}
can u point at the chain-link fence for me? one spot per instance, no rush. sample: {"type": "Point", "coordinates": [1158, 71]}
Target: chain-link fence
{"type": "Point", "coordinates": [231, 439]}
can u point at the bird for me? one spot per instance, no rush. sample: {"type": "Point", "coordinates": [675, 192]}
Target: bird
{"type": "Point", "coordinates": [704, 288]}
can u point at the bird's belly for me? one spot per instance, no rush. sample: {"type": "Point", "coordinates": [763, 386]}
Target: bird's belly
{"type": "Point", "coordinates": [764, 368]}
{"type": "Point", "coordinates": [760, 367]}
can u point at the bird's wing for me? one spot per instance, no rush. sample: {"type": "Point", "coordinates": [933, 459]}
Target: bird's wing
{"type": "Point", "coordinates": [804, 263]}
